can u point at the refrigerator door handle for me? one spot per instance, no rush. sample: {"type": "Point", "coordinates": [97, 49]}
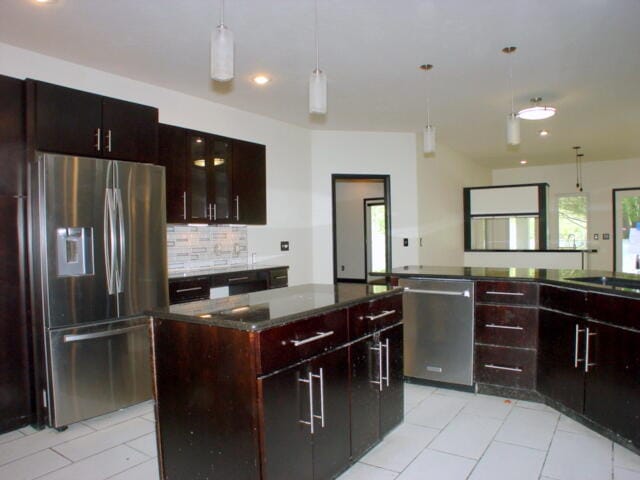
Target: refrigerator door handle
{"type": "Point", "coordinates": [121, 239]}
{"type": "Point", "coordinates": [109, 240]}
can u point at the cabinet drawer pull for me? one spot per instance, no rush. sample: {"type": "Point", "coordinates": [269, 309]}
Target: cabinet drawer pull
{"type": "Point", "coordinates": [237, 279]}
{"type": "Point", "coordinates": [385, 313]}
{"type": "Point", "coordinates": [464, 293]}
{"type": "Point", "coordinates": [281, 277]}
{"type": "Point", "coordinates": [318, 336]}
{"type": "Point", "coordinates": [192, 289]}
{"type": "Point", "coordinates": [498, 367]}
{"type": "Point", "coordinates": [503, 327]}
{"type": "Point", "coordinates": [513, 294]}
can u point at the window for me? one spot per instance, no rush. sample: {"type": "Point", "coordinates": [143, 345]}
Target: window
{"type": "Point", "coordinates": [572, 221]}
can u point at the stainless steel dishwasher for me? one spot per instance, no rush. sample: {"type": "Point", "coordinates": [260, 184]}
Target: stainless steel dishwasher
{"type": "Point", "coordinates": [438, 329]}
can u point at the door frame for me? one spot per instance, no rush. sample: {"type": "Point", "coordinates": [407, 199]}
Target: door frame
{"type": "Point", "coordinates": [615, 226]}
{"type": "Point", "coordinates": [366, 203]}
{"type": "Point", "coordinates": [386, 179]}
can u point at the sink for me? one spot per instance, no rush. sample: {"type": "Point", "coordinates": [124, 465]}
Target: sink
{"type": "Point", "coordinates": [608, 281]}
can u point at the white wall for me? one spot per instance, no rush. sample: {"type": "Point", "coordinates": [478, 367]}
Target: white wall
{"type": "Point", "coordinates": [350, 246]}
{"type": "Point", "coordinates": [441, 178]}
{"type": "Point", "coordinates": [288, 147]}
{"type": "Point", "coordinates": [599, 178]}
{"type": "Point", "coordinates": [364, 153]}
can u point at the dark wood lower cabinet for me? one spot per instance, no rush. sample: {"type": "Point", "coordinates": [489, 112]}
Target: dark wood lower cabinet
{"type": "Point", "coordinates": [612, 383]}
{"type": "Point", "coordinates": [560, 366]}
{"type": "Point", "coordinates": [377, 388]}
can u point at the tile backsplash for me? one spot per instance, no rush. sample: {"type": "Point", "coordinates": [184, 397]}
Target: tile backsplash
{"type": "Point", "coordinates": [201, 247]}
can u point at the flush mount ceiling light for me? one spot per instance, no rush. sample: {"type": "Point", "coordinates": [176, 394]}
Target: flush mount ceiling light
{"type": "Point", "coordinates": [543, 133]}
{"type": "Point", "coordinates": [45, 2]}
{"type": "Point", "coordinates": [537, 112]}
{"type": "Point", "coordinates": [523, 162]}
{"type": "Point", "coordinates": [318, 79]}
{"type": "Point", "coordinates": [429, 133]}
{"type": "Point", "coordinates": [222, 46]}
{"type": "Point", "coordinates": [513, 122]}
{"type": "Point", "coordinates": [261, 79]}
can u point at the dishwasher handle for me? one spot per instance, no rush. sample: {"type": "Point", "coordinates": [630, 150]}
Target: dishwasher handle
{"type": "Point", "coordinates": [464, 293]}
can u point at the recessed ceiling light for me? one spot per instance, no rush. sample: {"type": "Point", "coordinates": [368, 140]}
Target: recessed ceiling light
{"type": "Point", "coordinates": [523, 162]}
{"type": "Point", "coordinates": [261, 79]}
{"type": "Point", "coordinates": [543, 133]}
{"type": "Point", "coordinates": [198, 140]}
{"type": "Point", "coordinates": [44, 2]}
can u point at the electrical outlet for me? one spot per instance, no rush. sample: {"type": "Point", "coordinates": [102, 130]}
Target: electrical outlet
{"type": "Point", "coordinates": [605, 236]}
{"type": "Point", "coordinates": [342, 268]}
{"type": "Point", "coordinates": [405, 242]}
{"type": "Point", "coordinates": [596, 236]}
{"type": "Point", "coordinates": [284, 246]}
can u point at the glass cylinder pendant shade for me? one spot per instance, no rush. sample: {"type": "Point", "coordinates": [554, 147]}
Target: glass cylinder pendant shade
{"type": "Point", "coordinates": [429, 139]}
{"type": "Point", "coordinates": [513, 129]}
{"type": "Point", "coordinates": [318, 92]}
{"type": "Point", "coordinates": [222, 54]}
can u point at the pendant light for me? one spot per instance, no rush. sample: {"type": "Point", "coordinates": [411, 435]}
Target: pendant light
{"type": "Point", "coordinates": [318, 79]}
{"type": "Point", "coordinates": [513, 122]}
{"type": "Point", "coordinates": [578, 168]}
{"type": "Point", "coordinates": [429, 133]}
{"type": "Point", "coordinates": [537, 112]}
{"type": "Point", "coordinates": [222, 46]}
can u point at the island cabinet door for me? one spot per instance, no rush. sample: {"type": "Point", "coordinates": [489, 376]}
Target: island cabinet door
{"type": "Point", "coordinates": [365, 395]}
{"type": "Point", "coordinates": [561, 358]}
{"type": "Point", "coordinates": [392, 393]}
{"type": "Point", "coordinates": [612, 383]}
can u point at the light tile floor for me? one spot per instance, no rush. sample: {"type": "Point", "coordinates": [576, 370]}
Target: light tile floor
{"type": "Point", "coordinates": [446, 435]}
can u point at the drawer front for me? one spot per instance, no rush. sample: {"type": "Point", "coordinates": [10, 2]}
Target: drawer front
{"type": "Point", "coordinates": [224, 279]}
{"type": "Point", "coordinates": [507, 367]}
{"type": "Point", "coordinates": [507, 326]}
{"type": "Point", "coordinates": [564, 300]}
{"type": "Point", "coordinates": [619, 311]}
{"type": "Point", "coordinates": [187, 290]}
{"type": "Point", "coordinates": [369, 317]}
{"type": "Point", "coordinates": [282, 346]}
{"type": "Point", "coordinates": [278, 278]}
{"type": "Point", "coordinates": [509, 293]}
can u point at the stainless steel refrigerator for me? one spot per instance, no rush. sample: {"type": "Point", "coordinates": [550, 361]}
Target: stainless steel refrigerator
{"type": "Point", "coordinates": [98, 246]}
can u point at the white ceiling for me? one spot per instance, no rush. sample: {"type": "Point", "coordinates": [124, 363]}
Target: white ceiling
{"type": "Point", "coordinates": [581, 56]}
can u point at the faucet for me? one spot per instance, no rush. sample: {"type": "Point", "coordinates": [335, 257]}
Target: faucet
{"type": "Point", "coordinates": [572, 238]}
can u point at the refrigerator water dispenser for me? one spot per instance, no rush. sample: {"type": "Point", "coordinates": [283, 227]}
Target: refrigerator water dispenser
{"type": "Point", "coordinates": [75, 251]}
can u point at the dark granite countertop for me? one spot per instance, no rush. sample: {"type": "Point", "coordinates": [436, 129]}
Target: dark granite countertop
{"type": "Point", "coordinates": [203, 272]}
{"type": "Point", "coordinates": [561, 277]}
{"type": "Point", "coordinates": [269, 308]}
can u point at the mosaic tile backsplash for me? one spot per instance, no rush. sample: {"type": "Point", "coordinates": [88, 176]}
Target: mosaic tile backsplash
{"type": "Point", "coordinates": [201, 247]}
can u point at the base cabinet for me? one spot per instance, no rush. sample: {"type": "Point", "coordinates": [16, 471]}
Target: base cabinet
{"type": "Point", "coordinates": [304, 412]}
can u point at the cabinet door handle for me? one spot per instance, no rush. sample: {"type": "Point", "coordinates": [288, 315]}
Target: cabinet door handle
{"type": "Point", "coordinates": [210, 216]}
{"type": "Point", "coordinates": [192, 289]}
{"type": "Point", "coordinates": [464, 293]}
{"type": "Point", "coordinates": [503, 327]}
{"type": "Point", "coordinates": [577, 360]}
{"type": "Point", "coordinates": [586, 350]}
{"type": "Point", "coordinates": [385, 313]}
{"type": "Point", "coordinates": [297, 343]}
{"type": "Point", "coordinates": [380, 374]}
{"type": "Point", "coordinates": [98, 144]}
{"type": "Point", "coordinates": [320, 376]}
{"type": "Point", "coordinates": [309, 382]}
{"type": "Point", "coordinates": [513, 294]}
{"type": "Point", "coordinates": [499, 367]}
{"type": "Point", "coordinates": [238, 208]}
{"type": "Point", "coordinates": [237, 279]}
{"type": "Point", "coordinates": [109, 140]}
{"type": "Point", "coordinates": [184, 205]}
{"type": "Point", "coordinates": [215, 212]}
{"type": "Point", "coordinates": [386, 347]}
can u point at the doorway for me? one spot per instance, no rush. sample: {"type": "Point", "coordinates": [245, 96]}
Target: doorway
{"type": "Point", "coordinates": [626, 230]}
{"type": "Point", "coordinates": [361, 226]}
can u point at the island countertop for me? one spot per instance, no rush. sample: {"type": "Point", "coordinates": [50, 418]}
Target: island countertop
{"type": "Point", "coordinates": [270, 308]}
{"type": "Point", "coordinates": [561, 277]}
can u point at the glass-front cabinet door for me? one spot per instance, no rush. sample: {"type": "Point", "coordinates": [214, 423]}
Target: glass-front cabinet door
{"type": "Point", "coordinates": [220, 180]}
{"type": "Point", "coordinates": [198, 173]}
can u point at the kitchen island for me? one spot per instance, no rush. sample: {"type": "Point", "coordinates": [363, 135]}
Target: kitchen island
{"type": "Point", "coordinates": [296, 382]}
{"type": "Point", "coordinates": [569, 338]}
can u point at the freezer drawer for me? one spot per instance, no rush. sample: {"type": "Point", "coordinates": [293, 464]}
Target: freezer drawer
{"type": "Point", "coordinates": [98, 369]}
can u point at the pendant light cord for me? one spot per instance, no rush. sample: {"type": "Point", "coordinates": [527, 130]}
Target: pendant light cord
{"type": "Point", "coordinates": [426, 72]}
{"type": "Point", "coordinates": [511, 81]}
{"type": "Point", "coordinates": [222, 13]}
{"type": "Point", "coordinates": [316, 38]}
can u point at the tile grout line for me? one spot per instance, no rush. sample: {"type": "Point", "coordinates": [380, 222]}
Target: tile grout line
{"type": "Point", "coordinates": [546, 456]}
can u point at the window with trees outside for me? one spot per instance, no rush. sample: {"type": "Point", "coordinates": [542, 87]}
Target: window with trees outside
{"type": "Point", "coordinates": [572, 221]}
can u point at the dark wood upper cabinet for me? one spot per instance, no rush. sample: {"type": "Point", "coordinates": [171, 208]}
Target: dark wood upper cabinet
{"type": "Point", "coordinates": [65, 120]}
{"type": "Point", "coordinates": [249, 183]}
{"type": "Point", "coordinates": [12, 136]}
{"type": "Point", "coordinates": [212, 179]}
{"type": "Point", "coordinates": [130, 131]}
{"type": "Point", "coordinates": [172, 156]}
